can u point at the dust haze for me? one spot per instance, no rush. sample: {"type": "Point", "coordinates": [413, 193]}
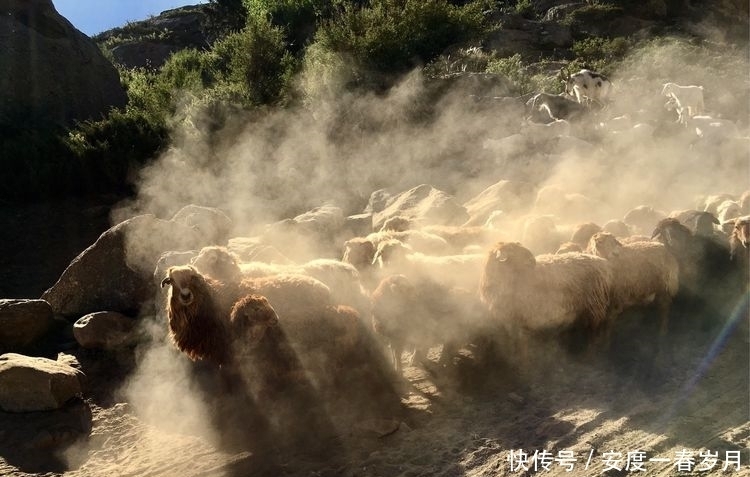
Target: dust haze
{"type": "Point", "coordinates": [339, 147]}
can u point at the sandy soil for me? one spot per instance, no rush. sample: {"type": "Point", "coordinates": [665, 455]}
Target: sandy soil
{"type": "Point", "coordinates": [466, 420]}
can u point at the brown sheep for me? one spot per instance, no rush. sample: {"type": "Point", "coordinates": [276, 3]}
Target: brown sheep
{"type": "Point", "coordinates": [548, 294]}
{"type": "Point", "coordinates": [645, 273]}
{"type": "Point", "coordinates": [198, 313]}
{"type": "Point", "coordinates": [421, 314]}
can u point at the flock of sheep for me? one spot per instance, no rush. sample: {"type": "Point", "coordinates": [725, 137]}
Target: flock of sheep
{"type": "Point", "coordinates": [324, 327]}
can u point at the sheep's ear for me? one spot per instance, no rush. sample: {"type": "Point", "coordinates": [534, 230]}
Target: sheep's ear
{"type": "Point", "coordinates": [166, 281]}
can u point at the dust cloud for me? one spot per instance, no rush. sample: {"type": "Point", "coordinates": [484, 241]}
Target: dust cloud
{"type": "Point", "coordinates": [339, 147]}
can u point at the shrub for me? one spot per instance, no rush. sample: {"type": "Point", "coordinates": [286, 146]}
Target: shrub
{"type": "Point", "coordinates": [391, 36]}
{"type": "Point", "coordinates": [597, 52]}
{"type": "Point", "coordinates": [256, 58]}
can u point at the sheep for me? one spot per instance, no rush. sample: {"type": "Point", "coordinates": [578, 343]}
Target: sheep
{"type": "Point", "coordinates": [643, 219]}
{"type": "Point", "coordinates": [699, 222]}
{"type": "Point", "coordinates": [341, 278]}
{"type": "Point", "coordinates": [703, 262]}
{"type": "Point", "coordinates": [583, 233]}
{"type": "Point", "coordinates": [545, 107]}
{"type": "Point", "coordinates": [618, 228]}
{"type": "Point", "coordinates": [198, 309]}
{"type": "Point", "coordinates": [586, 86]}
{"type": "Point", "coordinates": [712, 129]}
{"type": "Point", "coordinates": [332, 341]}
{"type": "Point", "coordinates": [728, 210]}
{"type": "Point", "coordinates": [421, 314]}
{"type": "Point", "coordinates": [460, 237]}
{"type": "Point", "coordinates": [688, 100]}
{"type": "Point", "coordinates": [548, 294]}
{"type": "Point", "coordinates": [398, 223]}
{"type": "Point", "coordinates": [739, 243]}
{"type": "Point", "coordinates": [460, 270]}
{"type": "Point", "coordinates": [540, 234]}
{"type": "Point", "coordinates": [568, 247]}
{"type": "Point", "coordinates": [645, 273]}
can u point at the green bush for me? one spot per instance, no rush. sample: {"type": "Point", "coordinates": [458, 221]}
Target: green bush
{"type": "Point", "coordinates": [391, 36]}
{"type": "Point", "coordinates": [597, 52]}
{"type": "Point", "coordinates": [257, 59]}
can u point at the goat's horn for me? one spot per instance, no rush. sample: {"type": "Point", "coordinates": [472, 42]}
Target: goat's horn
{"type": "Point", "coordinates": [166, 281]}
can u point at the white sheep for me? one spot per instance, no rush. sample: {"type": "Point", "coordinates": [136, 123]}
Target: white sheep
{"type": "Point", "coordinates": [587, 86]}
{"type": "Point", "coordinates": [545, 107]}
{"type": "Point", "coordinates": [712, 129]}
{"type": "Point", "coordinates": [645, 273]}
{"type": "Point", "coordinates": [687, 100]}
{"type": "Point", "coordinates": [550, 293]}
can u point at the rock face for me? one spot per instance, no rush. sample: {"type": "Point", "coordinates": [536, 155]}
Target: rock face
{"type": "Point", "coordinates": [149, 43]}
{"type": "Point", "coordinates": [49, 68]}
{"type": "Point", "coordinates": [116, 272]}
{"type": "Point", "coordinates": [36, 384]}
{"type": "Point", "coordinates": [22, 323]}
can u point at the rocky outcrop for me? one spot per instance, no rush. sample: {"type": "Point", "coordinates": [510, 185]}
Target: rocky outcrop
{"type": "Point", "coordinates": [49, 68]}
{"type": "Point", "coordinates": [115, 273]}
{"type": "Point", "coordinates": [37, 384]}
{"type": "Point", "coordinates": [23, 323]}
{"type": "Point", "coordinates": [423, 204]}
{"type": "Point", "coordinates": [106, 330]}
{"type": "Point", "coordinates": [149, 43]}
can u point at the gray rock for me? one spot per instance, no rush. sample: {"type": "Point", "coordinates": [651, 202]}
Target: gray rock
{"type": "Point", "coordinates": [23, 323]}
{"type": "Point", "coordinates": [212, 224]}
{"type": "Point", "coordinates": [424, 205]}
{"type": "Point", "coordinates": [36, 384]}
{"type": "Point", "coordinates": [512, 197]}
{"type": "Point", "coordinates": [560, 11]}
{"type": "Point", "coordinates": [115, 273]}
{"type": "Point", "coordinates": [72, 79]}
{"type": "Point", "coordinates": [106, 330]}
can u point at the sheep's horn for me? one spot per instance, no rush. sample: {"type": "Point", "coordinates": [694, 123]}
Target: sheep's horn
{"type": "Point", "coordinates": [500, 256]}
{"type": "Point", "coordinates": [166, 281]}
{"type": "Point", "coordinates": [656, 233]}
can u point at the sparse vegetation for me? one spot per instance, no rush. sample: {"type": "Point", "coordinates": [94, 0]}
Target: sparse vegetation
{"type": "Point", "coordinates": [272, 53]}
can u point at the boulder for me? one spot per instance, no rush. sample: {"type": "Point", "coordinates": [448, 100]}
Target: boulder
{"type": "Point", "coordinates": [511, 197]}
{"type": "Point", "coordinates": [107, 330]}
{"type": "Point", "coordinates": [423, 204]}
{"type": "Point", "coordinates": [23, 323]}
{"type": "Point", "coordinates": [115, 273]}
{"type": "Point", "coordinates": [36, 384]}
{"type": "Point", "coordinates": [212, 224]}
{"type": "Point", "coordinates": [171, 259]}
{"type": "Point", "coordinates": [73, 81]}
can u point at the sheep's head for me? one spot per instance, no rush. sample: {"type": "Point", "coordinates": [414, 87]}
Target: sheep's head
{"type": "Point", "coordinates": [389, 251]}
{"type": "Point", "coordinates": [359, 252]}
{"type": "Point", "coordinates": [185, 281]}
{"type": "Point", "coordinates": [704, 223]}
{"type": "Point", "coordinates": [617, 228]}
{"type": "Point", "coordinates": [672, 233]}
{"type": "Point", "coordinates": [219, 263]}
{"type": "Point", "coordinates": [667, 89]}
{"type": "Point", "coordinates": [510, 255]}
{"type": "Point", "coordinates": [605, 245]}
{"type": "Point", "coordinates": [583, 233]}
{"type": "Point", "coordinates": [742, 231]}
{"type": "Point", "coordinates": [251, 317]}
{"type": "Point", "coordinates": [398, 223]}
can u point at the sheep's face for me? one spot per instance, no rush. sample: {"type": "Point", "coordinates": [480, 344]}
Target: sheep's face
{"type": "Point", "coordinates": [583, 233]}
{"type": "Point", "coordinates": [672, 233]}
{"type": "Point", "coordinates": [182, 280]}
{"type": "Point", "coordinates": [605, 245]}
{"type": "Point", "coordinates": [742, 231]}
{"type": "Point", "coordinates": [218, 263]}
{"type": "Point", "coordinates": [510, 256]}
{"type": "Point", "coordinates": [253, 315]}
{"type": "Point", "coordinates": [358, 252]}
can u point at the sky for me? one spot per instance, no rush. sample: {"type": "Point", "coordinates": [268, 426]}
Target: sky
{"type": "Point", "coordinates": [96, 16]}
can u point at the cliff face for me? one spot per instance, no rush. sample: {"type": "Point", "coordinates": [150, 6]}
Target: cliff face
{"type": "Point", "coordinates": [49, 68]}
